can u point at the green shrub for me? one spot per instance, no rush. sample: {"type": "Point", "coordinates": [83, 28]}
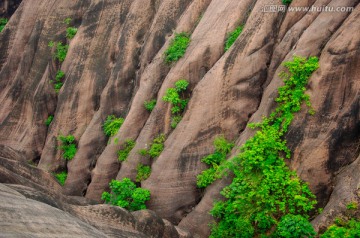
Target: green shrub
{"type": "Point", "coordinates": [49, 120]}
{"type": "Point", "coordinates": [59, 75]}
{"type": "Point", "coordinates": [175, 121]}
{"type": "Point", "coordinates": [350, 229]}
{"type": "Point", "coordinates": [125, 194]}
{"type": "Point", "coordinates": [67, 21]}
{"type": "Point", "coordinates": [61, 51]}
{"type": "Point", "coordinates": [150, 105]}
{"type": "Point", "coordinates": [143, 152]}
{"type": "Point", "coordinates": [157, 146]}
{"type": "Point", "coordinates": [3, 22]}
{"type": "Point", "coordinates": [352, 205]}
{"type": "Point", "coordinates": [51, 44]}
{"type": "Point", "coordinates": [232, 36]}
{"type": "Point", "coordinates": [177, 47]}
{"type": "Point", "coordinates": [264, 189]}
{"type": "Point", "coordinates": [294, 226]}
{"type": "Point", "coordinates": [112, 125]}
{"type": "Point", "coordinates": [61, 177]}
{"type": "Point", "coordinates": [143, 172]}
{"type": "Point", "coordinates": [68, 146]}
{"type": "Point", "coordinates": [176, 97]}
{"type": "Point", "coordinates": [124, 153]}
{"type": "Point", "coordinates": [222, 149]}
{"type": "Point", "coordinates": [58, 83]}
{"type": "Point", "coordinates": [71, 32]}
{"type": "Point", "coordinates": [286, 2]}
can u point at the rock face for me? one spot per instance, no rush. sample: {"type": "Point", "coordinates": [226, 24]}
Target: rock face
{"type": "Point", "coordinates": [41, 210]}
{"type": "Point", "coordinates": [116, 62]}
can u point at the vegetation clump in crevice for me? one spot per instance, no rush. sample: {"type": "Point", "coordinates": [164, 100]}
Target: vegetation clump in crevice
{"type": "Point", "coordinates": [143, 172]}
{"type": "Point", "coordinates": [127, 147]}
{"type": "Point", "coordinates": [176, 97]}
{"type": "Point", "coordinates": [3, 22]}
{"type": "Point", "coordinates": [150, 105]}
{"type": "Point", "coordinates": [58, 80]}
{"type": "Point", "coordinates": [286, 2]}
{"type": "Point", "coordinates": [344, 229]}
{"type": "Point", "coordinates": [156, 147]}
{"type": "Point", "coordinates": [222, 149]}
{"type": "Point", "coordinates": [49, 120]}
{"type": "Point", "coordinates": [352, 205]}
{"type": "Point", "coordinates": [177, 47]}
{"type": "Point", "coordinates": [264, 191]}
{"type": "Point", "coordinates": [61, 177]}
{"type": "Point", "coordinates": [68, 146]}
{"type": "Point", "coordinates": [232, 36]}
{"type": "Point", "coordinates": [112, 125]}
{"type": "Point", "coordinates": [71, 32]}
{"type": "Point", "coordinates": [125, 194]}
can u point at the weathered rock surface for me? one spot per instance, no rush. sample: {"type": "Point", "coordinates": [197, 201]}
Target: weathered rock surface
{"type": "Point", "coordinates": [115, 63]}
{"type": "Point", "coordinates": [39, 210]}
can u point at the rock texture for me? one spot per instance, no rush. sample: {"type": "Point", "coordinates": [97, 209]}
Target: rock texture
{"type": "Point", "coordinates": [41, 210]}
{"type": "Point", "coordinates": [115, 63]}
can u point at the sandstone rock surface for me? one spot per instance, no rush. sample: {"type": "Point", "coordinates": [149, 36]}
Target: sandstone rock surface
{"type": "Point", "coordinates": [116, 62]}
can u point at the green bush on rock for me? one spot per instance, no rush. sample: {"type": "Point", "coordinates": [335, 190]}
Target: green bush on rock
{"type": "Point", "coordinates": [177, 47]}
{"type": "Point", "coordinates": [124, 153]}
{"type": "Point", "coordinates": [143, 172]}
{"type": "Point", "coordinates": [61, 177]}
{"type": "Point", "coordinates": [176, 97]}
{"type": "Point", "coordinates": [264, 189]}
{"type": "Point", "coordinates": [49, 120]}
{"type": "Point", "coordinates": [150, 105]}
{"type": "Point", "coordinates": [350, 229]}
{"type": "Point", "coordinates": [68, 146]}
{"type": "Point", "coordinates": [112, 125]}
{"type": "Point", "coordinates": [125, 194]}
{"type": "Point", "coordinates": [232, 36]}
{"type": "Point", "coordinates": [71, 32]}
{"type": "Point", "coordinates": [294, 226]}
{"type": "Point", "coordinates": [3, 22]}
{"type": "Point", "coordinates": [222, 149]}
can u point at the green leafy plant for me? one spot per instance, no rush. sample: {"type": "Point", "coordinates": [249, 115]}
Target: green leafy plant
{"type": "Point", "coordinates": [67, 21]}
{"type": "Point", "coordinates": [68, 146]}
{"type": "Point", "coordinates": [71, 32]}
{"type": "Point", "coordinates": [58, 80]}
{"type": "Point", "coordinates": [61, 177]}
{"type": "Point", "coordinates": [264, 189]}
{"type": "Point", "coordinates": [176, 97]}
{"type": "Point", "coordinates": [143, 152]}
{"type": "Point", "coordinates": [51, 44]}
{"type": "Point", "coordinates": [294, 226]}
{"type": "Point", "coordinates": [150, 105]}
{"type": "Point", "coordinates": [143, 172]}
{"type": "Point", "coordinates": [49, 120]}
{"type": "Point", "coordinates": [352, 205]}
{"type": "Point", "coordinates": [232, 36]}
{"type": "Point", "coordinates": [125, 194]}
{"type": "Point", "coordinates": [177, 47]}
{"type": "Point", "coordinates": [350, 229]}
{"type": "Point", "coordinates": [3, 22]}
{"type": "Point", "coordinates": [157, 146]}
{"type": "Point", "coordinates": [286, 2]}
{"type": "Point", "coordinates": [112, 125]}
{"type": "Point", "coordinates": [222, 149]}
{"type": "Point", "coordinates": [61, 51]}
{"type": "Point", "coordinates": [175, 121]}
{"type": "Point", "coordinates": [127, 147]}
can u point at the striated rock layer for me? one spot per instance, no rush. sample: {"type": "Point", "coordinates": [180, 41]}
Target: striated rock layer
{"type": "Point", "coordinates": [116, 62]}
